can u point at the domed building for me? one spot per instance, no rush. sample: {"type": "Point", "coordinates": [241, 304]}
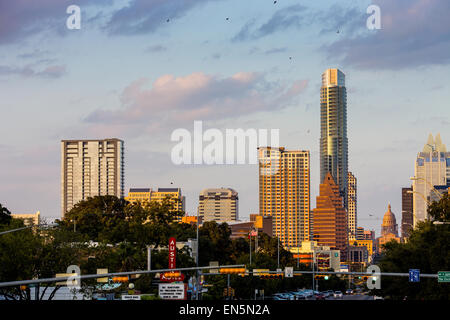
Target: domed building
{"type": "Point", "coordinates": [389, 230]}
{"type": "Point", "coordinates": [389, 224]}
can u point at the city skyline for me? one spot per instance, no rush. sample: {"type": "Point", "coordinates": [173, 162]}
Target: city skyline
{"type": "Point", "coordinates": [395, 99]}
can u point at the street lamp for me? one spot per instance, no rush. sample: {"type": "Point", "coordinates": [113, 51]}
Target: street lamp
{"type": "Point", "coordinates": [429, 185]}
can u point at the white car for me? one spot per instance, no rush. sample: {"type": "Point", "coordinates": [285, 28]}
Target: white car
{"type": "Point", "coordinates": [378, 298]}
{"type": "Point", "coordinates": [338, 295]}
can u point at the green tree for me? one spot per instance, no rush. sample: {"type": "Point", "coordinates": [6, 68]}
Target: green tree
{"type": "Point", "coordinates": [5, 215]}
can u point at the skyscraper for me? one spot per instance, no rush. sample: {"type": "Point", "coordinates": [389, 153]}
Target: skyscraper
{"type": "Point", "coordinates": [284, 191]}
{"type": "Point", "coordinates": [90, 168]}
{"type": "Point", "coordinates": [352, 206]}
{"type": "Point", "coordinates": [330, 217]}
{"type": "Point", "coordinates": [407, 212]}
{"type": "Point", "coordinates": [333, 129]}
{"type": "Point", "coordinates": [220, 205]}
{"type": "Point", "coordinates": [432, 168]}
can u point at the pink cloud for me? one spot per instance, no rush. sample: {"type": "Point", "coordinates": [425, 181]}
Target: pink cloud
{"type": "Point", "coordinates": [173, 101]}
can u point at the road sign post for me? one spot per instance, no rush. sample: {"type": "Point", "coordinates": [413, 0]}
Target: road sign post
{"type": "Point", "coordinates": [414, 275]}
{"type": "Point", "coordinates": [289, 272]}
{"type": "Point", "coordinates": [444, 276]}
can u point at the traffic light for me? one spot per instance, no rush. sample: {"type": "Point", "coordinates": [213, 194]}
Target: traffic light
{"type": "Point", "coordinates": [322, 277]}
{"type": "Point", "coordinates": [232, 270]}
{"type": "Point", "coordinates": [175, 274]}
{"type": "Point", "coordinates": [272, 275]}
{"type": "Point", "coordinates": [120, 279]}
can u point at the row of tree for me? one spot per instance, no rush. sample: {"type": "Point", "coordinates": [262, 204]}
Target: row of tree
{"type": "Point", "coordinates": [108, 232]}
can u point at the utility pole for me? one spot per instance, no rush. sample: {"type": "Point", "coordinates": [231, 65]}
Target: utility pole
{"type": "Point", "coordinates": [278, 249]}
{"type": "Point", "coordinates": [250, 248]}
{"type": "Point", "coordinates": [149, 258]}
{"type": "Point", "coordinates": [198, 246]}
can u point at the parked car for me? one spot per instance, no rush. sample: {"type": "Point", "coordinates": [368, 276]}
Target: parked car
{"type": "Point", "coordinates": [277, 298]}
{"type": "Point", "coordinates": [299, 296]}
{"type": "Point", "coordinates": [326, 294]}
{"type": "Point", "coordinates": [349, 291]}
{"type": "Point", "coordinates": [338, 295]}
{"type": "Point", "coordinates": [320, 296]}
{"type": "Point", "coordinates": [378, 298]}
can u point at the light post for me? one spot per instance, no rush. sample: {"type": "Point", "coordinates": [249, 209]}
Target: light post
{"type": "Point", "coordinates": [429, 185]}
{"type": "Point", "coordinates": [278, 250]}
{"type": "Point", "coordinates": [198, 246]}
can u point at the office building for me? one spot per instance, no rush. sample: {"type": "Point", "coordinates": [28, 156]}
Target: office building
{"type": "Point", "coordinates": [148, 195]}
{"type": "Point", "coordinates": [330, 217]}
{"type": "Point", "coordinates": [263, 223]}
{"type": "Point", "coordinates": [325, 257]}
{"type": "Point", "coordinates": [333, 129]}
{"type": "Point", "coordinates": [91, 168]}
{"type": "Point", "coordinates": [220, 205]}
{"type": "Point", "coordinates": [29, 219]}
{"type": "Point", "coordinates": [432, 168]}
{"type": "Point", "coordinates": [407, 212]}
{"type": "Point", "coordinates": [359, 233]}
{"type": "Point", "coordinates": [284, 193]}
{"type": "Point", "coordinates": [352, 206]}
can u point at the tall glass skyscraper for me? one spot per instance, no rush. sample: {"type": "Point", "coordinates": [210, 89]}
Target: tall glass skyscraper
{"type": "Point", "coordinates": [432, 168]}
{"type": "Point", "coordinates": [333, 130]}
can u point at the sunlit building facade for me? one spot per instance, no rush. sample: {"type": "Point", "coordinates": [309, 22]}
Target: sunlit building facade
{"type": "Point", "coordinates": [284, 193]}
{"type": "Point", "coordinates": [333, 129]}
{"type": "Point", "coordinates": [91, 168]}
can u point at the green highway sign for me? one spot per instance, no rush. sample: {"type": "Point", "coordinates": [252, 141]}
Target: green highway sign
{"type": "Point", "coordinates": [444, 276]}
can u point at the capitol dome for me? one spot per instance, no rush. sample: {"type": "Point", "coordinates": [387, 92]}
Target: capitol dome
{"type": "Point", "coordinates": [389, 224]}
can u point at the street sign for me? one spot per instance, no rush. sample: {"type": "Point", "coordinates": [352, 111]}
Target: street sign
{"type": "Point", "coordinates": [172, 291]}
{"type": "Point", "coordinates": [172, 253]}
{"type": "Point", "coordinates": [131, 297]}
{"type": "Point", "coordinates": [102, 271]}
{"type": "Point", "coordinates": [258, 272]}
{"type": "Point", "coordinates": [414, 275]}
{"type": "Point", "coordinates": [444, 276]}
{"type": "Point", "coordinates": [344, 268]}
{"type": "Point", "coordinates": [289, 272]}
{"type": "Point", "coordinates": [214, 264]}
{"type": "Point", "coordinates": [166, 277]}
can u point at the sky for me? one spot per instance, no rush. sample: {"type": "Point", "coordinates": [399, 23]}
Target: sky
{"type": "Point", "coordinates": [138, 70]}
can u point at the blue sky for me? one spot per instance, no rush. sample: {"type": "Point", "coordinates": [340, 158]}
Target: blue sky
{"type": "Point", "coordinates": [130, 74]}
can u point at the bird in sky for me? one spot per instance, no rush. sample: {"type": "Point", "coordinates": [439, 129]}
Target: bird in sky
{"type": "Point", "coordinates": [227, 18]}
{"type": "Point", "coordinates": [274, 2]}
{"type": "Point", "coordinates": [167, 20]}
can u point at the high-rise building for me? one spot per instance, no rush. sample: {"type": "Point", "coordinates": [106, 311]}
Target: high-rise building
{"type": "Point", "coordinates": [407, 212]}
{"type": "Point", "coordinates": [330, 217]}
{"type": "Point", "coordinates": [432, 168]}
{"type": "Point", "coordinates": [148, 195]}
{"type": "Point", "coordinates": [333, 129]}
{"type": "Point", "coordinates": [220, 205]}
{"type": "Point", "coordinates": [352, 206]}
{"type": "Point", "coordinates": [91, 168]}
{"type": "Point", "coordinates": [284, 193]}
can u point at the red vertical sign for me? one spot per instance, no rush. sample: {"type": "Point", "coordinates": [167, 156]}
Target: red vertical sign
{"type": "Point", "coordinates": [172, 253]}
